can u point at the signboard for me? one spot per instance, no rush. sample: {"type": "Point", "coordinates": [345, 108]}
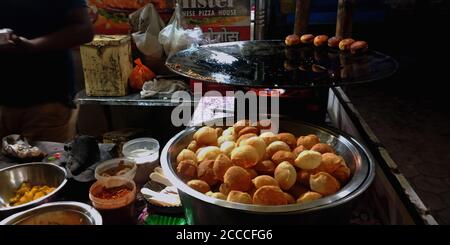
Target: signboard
{"type": "Point", "coordinates": [220, 20]}
{"type": "Point", "coordinates": [111, 16]}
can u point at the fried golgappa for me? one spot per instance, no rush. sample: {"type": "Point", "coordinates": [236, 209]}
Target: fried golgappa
{"type": "Point", "coordinates": [245, 156]}
{"type": "Point", "coordinates": [324, 184]}
{"type": "Point", "coordinates": [237, 178]}
{"type": "Point", "coordinates": [269, 195]}
{"type": "Point", "coordinates": [285, 175]}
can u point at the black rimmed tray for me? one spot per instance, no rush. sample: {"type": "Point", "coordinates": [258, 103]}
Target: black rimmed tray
{"type": "Point", "coordinates": [271, 64]}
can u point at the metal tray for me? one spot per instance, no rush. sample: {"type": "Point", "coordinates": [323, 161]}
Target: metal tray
{"type": "Point", "coordinates": [271, 64]}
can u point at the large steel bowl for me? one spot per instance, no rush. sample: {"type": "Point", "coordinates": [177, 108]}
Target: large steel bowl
{"type": "Point", "coordinates": [201, 209]}
{"type": "Point", "coordinates": [34, 173]}
{"type": "Point", "coordinates": [56, 213]}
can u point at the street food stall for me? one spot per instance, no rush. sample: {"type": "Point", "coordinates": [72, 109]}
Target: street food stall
{"type": "Point", "coordinates": [321, 164]}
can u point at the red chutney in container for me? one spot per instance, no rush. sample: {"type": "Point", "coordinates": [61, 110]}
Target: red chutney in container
{"type": "Point", "coordinates": [113, 193]}
{"type": "Point", "coordinates": [116, 203]}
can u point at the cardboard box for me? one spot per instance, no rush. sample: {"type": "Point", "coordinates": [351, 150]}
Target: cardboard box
{"type": "Point", "coordinates": [107, 65]}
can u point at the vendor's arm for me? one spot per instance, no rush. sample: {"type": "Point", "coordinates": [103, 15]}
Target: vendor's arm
{"type": "Point", "coordinates": [78, 30]}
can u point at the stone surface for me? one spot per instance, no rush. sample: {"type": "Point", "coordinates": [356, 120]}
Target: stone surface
{"type": "Point", "coordinates": [446, 197]}
{"type": "Point", "coordinates": [443, 216]}
{"type": "Point", "coordinates": [434, 170]}
{"type": "Point", "coordinates": [430, 184]}
{"type": "Point", "coordinates": [412, 121]}
{"type": "Point", "coordinates": [409, 171]}
{"type": "Point", "coordinates": [433, 201]}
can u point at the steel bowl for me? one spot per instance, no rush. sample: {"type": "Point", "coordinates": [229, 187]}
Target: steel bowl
{"type": "Point", "coordinates": [34, 173]}
{"type": "Point", "coordinates": [56, 213]}
{"type": "Point", "coordinates": [336, 208]}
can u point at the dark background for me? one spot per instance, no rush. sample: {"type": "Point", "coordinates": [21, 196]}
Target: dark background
{"type": "Point", "coordinates": [409, 112]}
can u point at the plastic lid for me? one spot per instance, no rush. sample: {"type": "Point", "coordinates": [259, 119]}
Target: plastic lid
{"type": "Point", "coordinates": [141, 148]}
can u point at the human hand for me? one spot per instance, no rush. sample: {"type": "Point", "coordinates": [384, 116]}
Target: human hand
{"type": "Point", "coordinates": [18, 45]}
{"type": "Point", "coordinates": [5, 39]}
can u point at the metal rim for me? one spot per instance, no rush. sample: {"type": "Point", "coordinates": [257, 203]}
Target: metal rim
{"type": "Point", "coordinates": [61, 185]}
{"type": "Point", "coordinates": [343, 196]}
{"type": "Point", "coordinates": [89, 212]}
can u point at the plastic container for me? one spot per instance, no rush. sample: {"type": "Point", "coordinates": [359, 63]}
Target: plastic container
{"type": "Point", "coordinates": [114, 163]}
{"type": "Point", "coordinates": [114, 211]}
{"type": "Point", "coordinates": [145, 153]}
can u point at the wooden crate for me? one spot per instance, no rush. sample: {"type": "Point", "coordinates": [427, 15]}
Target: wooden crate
{"type": "Point", "coordinates": [107, 64]}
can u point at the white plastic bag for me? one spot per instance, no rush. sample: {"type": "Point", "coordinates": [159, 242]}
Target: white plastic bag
{"type": "Point", "coordinates": [175, 38]}
{"type": "Point", "coordinates": [147, 24]}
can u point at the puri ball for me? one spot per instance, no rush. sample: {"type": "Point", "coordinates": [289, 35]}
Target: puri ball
{"type": "Point", "coordinates": [217, 195]}
{"type": "Point", "coordinates": [205, 172]}
{"type": "Point", "coordinates": [308, 141]}
{"type": "Point", "coordinates": [207, 153]}
{"type": "Point", "coordinates": [298, 150]}
{"type": "Point", "coordinates": [322, 148]}
{"type": "Point", "coordinates": [193, 146]}
{"type": "Point", "coordinates": [308, 160]}
{"type": "Point", "coordinates": [239, 197]}
{"type": "Point", "coordinates": [342, 174]}
{"type": "Point", "coordinates": [321, 40]}
{"type": "Point", "coordinates": [224, 189]}
{"type": "Point", "coordinates": [237, 178]}
{"type": "Point", "coordinates": [269, 195]}
{"type": "Point", "coordinates": [244, 137]}
{"type": "Point", "coordinates": [221, 165]}
{"type": "Point", "coordinates": [276, 146]}
{"type": "Point", "coordinates": [187, 170]}
{"type": "Point", "coordinates": [324, 184]}
{"type": "Point", "coordinates": [206, 136]}
{"type": "Point", "coordinates": [307, 38]}
{"type": "Point", "coordinates": [334, 42]}
{"type": "Point", "coordinates": [269, 137]}
{"type": "Point", "coordinates": [285, 175]}
{"type": "Point", "coordinates": [289, 139]}
{"type": "Point", "coordinates": [199, 185]}
{"type": "Point", "coordinates": [359, 47]}
{"type": "Point", "coordinates": [345, 44]}
{"type": "Point", "coordinates": [248, 130]}
{"type": "Point", "coordinates": [224, 138]}
{"type": "Point", "coordinates": [281, 156]}
{"type": "Point", "coordinates": [227, 147]}
{"type": "Point", "coordinates": [263, 180]}
{"type": "Point", "coordinates": [292, 40]}
{"type": "Point", "coordinates": [265, 167]}
{"type": "Point", "coordinates": [258, 143]}
{"type": "Point", "coordinates": [245, 156]}
{"type": "Point", "coordinates": [186, 154]}
{"type": "Point", "coordinates": [239, 125]}
{"type": "Point", "coordinates": [308, 197]}
{"type": "Point", "coordinates": [330, 162]}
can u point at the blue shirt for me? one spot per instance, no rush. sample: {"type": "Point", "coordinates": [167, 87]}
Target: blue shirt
{"type": "Point", "coordinates": [38, 78]}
